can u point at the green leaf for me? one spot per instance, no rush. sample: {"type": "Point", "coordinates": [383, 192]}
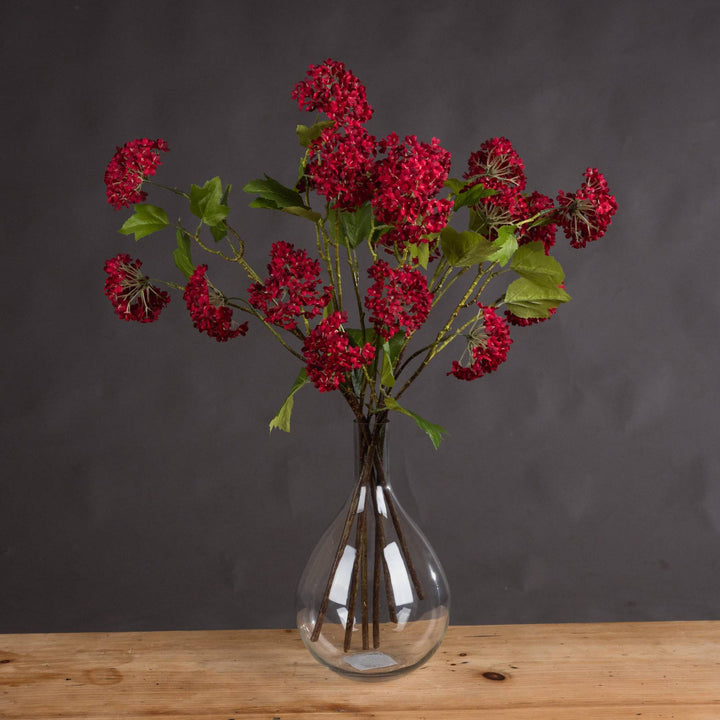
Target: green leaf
{"type": "Point", "coordinates": [454, 184]}
{"type": "Point", "coordinates": [181, 255]}
{"type": "Point", "coordinates": [357, 225]}
{"type": "Point", "coordinates": [146, 219]}
{"type": "Point", "coordinates": [505, 244]}
{"type": "Point", "coordinates": [466, 248]}
{"type": "Point", "coordinates": [356, 336]}
{"type": "Point", "coordinates": [206, 202]}
{"type": "Point", "coordinates": [421, 252]}
{"type": "Point", "coordinates": [471, 196]}
{"type": "Point", "coordinates": [303, 212]}
{"type": "Point", "coordinates": [282, 420]}
{"type": "Point", "coordinates": [386, 376]}
{"type": "Point", "coordinates": [307, 134]}
{"type": "Point", "coordinates": [531, 262]}
{"type": "Point", "coordinates": [273, 194]}
{"type": "Point", "coordinates": [527, 299]}
{"type": "Point", "coordinates": [434, 432]}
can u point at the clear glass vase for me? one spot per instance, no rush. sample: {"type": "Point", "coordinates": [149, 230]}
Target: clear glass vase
{"type": "Point", "coordinates": [373, 601]}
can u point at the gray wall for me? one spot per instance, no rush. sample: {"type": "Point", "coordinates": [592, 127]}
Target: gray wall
{"type": "Point", "coordinates": [140, 487]}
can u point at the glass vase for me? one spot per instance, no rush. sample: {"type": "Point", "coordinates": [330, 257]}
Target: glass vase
{"type": "Point", "coordinates": [373, 601]}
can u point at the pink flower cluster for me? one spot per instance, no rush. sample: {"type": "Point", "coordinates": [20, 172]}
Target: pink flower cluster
{"type": "Point", "coordinates": [407, 180]}
{"type": "Point", "coordinates": [208, 310]}
{"type": "Point", "coordinates": [130, 291]}
{"type": "Point", "coordinates": [335, 91]}
{"type": "Point", "coordinates": [398, 298]}
{"type": "Point", "coordinates": [291, 289]}
{"type": "Point", "coordinates": [488, 347]}
{"type": "Point", "coordinates": [131, 164]}
{"type": "Point", "coordinates": [586, 214]}
{"type": "Point", "coordinates": [329, 356]}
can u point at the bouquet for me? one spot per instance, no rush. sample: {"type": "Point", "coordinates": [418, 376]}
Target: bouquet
{"type": "Point", "coordinates": [400, 246]}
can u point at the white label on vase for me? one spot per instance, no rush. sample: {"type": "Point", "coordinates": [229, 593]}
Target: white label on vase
{"type": "Point", "coordinates": [382, 508]}
{"type": "Point", "coordinates": [341, 581]}
{"type": "Point", "coordinates": [402, 592]}
{"type": "Point", "coordinates": [370, 661]}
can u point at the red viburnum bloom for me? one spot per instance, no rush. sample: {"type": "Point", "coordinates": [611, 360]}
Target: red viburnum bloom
{"type": "Point", "coordinates": [513, 319]}
{"type": "Point", "coordinates": [535, 203]}
{"type": "Point", "coordinates": [208, 310]}
{"type": "Point", "coordinates": [131, 164]}
{"type": "Point", "coordinates": [334, 90]}
{"type": "Point", "coordinates": [341, 166]}
{"type": "Point", "coordinates": [130, 291]}
{"type": "Point", "coordinates": [399, 297]}
{"type": "Point", "coordinates": [329, 356]}
{"type": "Point", "coordinates": [406, 182]}
{"type": "Point", "coordinates": [487, 347]}
{"type": "Point", "coordinates": [291, 289]}
{"type": "Point", "coordinates": [586, 214]}
{"type": "Point", "coordinates": [506, 207]}
{"type": "Point", "coordinates": [496, 166]}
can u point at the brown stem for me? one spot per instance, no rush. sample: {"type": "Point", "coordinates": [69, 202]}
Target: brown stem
{"type": "Point", "coordinates": [398, 528]}
{"type": "Point", "coordinates": [350, 620]}
{"type": "Point", "coordinates": [362, 550]}
{"type": "Point", "coordinates": [339, 553]}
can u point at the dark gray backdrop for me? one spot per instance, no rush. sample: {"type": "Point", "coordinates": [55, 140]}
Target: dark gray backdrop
{"type": "Point", "coordinates": [140, 487]}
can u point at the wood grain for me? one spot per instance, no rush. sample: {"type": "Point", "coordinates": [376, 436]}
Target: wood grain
{"type": "Point", "coordinates": [645, 671]}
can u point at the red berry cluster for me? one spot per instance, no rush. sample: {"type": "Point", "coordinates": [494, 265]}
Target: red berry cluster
{"type": "Point", "coordinates": [208, 310]}
{"type": "Point", "coordinates": [487, 345]}
{"type": "Point", "coordinates": [329, 356]}
{"type": "Point", "coordinates": [131, 164]}
{"type": "Point", "coordinates": [398, 298]}
{"type": "Point", "coordinates": [407, 180]}
{"type": "Point", "coordinates": [341, 164]}
{"type": "Point", "coordinates": [586, 214]}
{"type": "Point", "coordinates": [335, 91]}
{"type": "Point", "coordinates": [291, 289]}
{"type": "Point", "coordinates": [130, 291]}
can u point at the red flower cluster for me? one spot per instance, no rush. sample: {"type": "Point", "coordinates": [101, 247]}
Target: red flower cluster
{"type": "Point", "coordinates": [496, 166]}
{"type": "Point", "coordinates": [329, 356]}
{"type": "Point", "coordinates": [130, 291]}
{"type": "Point", "coordinates": [487, 345]}
{"type": "Point", "coordinates": [586, 214]}
{"type": "Point", "coordinates": [407, 180]}
{"type": "Point", "coordinates": [130, 165]}
{"type": "Point", "coordinates": [290, 290]}
{"type": "Point", "coordinates": [208, 310]}
{"type": "Point", "coordinates": [341, 166]}
{"type": "Point", "coordinates": [399, 297]}
{"type": "Point", "coordinates": [335, 91]}
{"type": "Point", "coordinates": [537, 202]}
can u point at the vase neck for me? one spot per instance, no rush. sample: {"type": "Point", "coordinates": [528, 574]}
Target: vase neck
{"type": "Point", "coordinates": [371, 453]}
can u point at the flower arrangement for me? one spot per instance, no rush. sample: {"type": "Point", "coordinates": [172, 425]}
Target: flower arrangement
{"type": "Point", "coordinates": [380, 199]}
{"type": "Point", "coordinates": [387, 255]}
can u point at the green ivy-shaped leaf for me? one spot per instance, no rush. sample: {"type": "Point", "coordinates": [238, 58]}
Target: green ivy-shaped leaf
{"type": "Point", "coordinates": [206, 202]}
{"type": "Point", "coordinates": [505, 245]}
{"type": "Point", "coordinates": [146, 220]}
{"type": "Point", "coordinates": [531, 262]}
{"type": "Point", "coordinates": [282, 420]}
{"type": "Point", "coordinates": [527, 299]}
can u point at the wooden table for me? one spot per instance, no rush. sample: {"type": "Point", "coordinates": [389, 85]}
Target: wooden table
{"type": "Point", "coordinates": [613, 671]}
